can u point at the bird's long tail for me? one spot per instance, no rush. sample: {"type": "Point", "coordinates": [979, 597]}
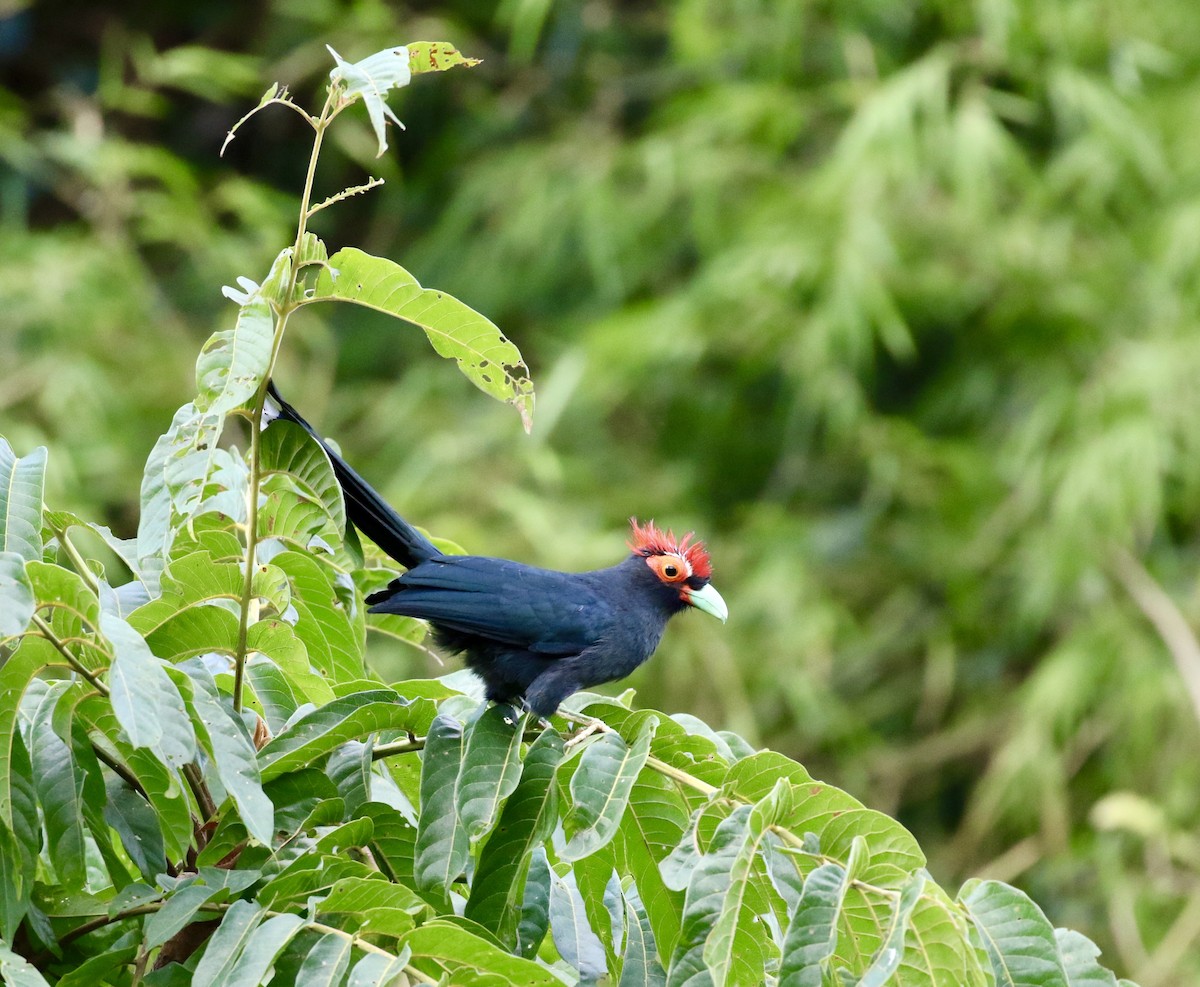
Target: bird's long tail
{"type": "Point", "coordinates": [367, 511]}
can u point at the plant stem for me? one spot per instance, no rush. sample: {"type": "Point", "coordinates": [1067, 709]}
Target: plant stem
{"type": "Point", "coordinates": [77, 560]}
{"type": "Point", "coordinates": [48, 633]}
{"type": "Point", "coordinates": [282, 308]}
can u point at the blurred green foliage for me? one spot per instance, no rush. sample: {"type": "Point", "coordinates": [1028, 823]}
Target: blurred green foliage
{"type": "Point", "coordinates": [895, 303]}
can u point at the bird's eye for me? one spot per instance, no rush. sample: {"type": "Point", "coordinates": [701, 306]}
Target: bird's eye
{"type": "Point", "coordinates": [669, 568]}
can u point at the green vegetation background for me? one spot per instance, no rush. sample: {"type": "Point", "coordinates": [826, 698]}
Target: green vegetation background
{"type": "Point", "coordinates": [897, 304]}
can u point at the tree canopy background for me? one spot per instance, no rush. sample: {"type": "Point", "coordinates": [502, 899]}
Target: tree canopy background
{"type": "Point", "coordinates": [894, 303]}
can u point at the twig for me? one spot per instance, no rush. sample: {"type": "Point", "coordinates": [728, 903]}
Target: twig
{"type": "Point", "coordinates": [1158, 607]}
{"type": "Point", "coordinates": [48, 633]}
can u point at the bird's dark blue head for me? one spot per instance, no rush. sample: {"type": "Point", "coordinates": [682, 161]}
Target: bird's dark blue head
{"type": "Point", "coordinates": [681, 567]}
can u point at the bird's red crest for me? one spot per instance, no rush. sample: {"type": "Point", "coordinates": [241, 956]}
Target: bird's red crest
{"type": "Point", "coordinates": [649, 540]}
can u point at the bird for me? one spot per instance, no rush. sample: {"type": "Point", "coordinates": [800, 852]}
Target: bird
{"type": "Point", "coordinates": [533, 636]}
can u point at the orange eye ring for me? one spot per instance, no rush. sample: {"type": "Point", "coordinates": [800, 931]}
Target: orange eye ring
{"type": "Point", "coordinates": [669, 568]}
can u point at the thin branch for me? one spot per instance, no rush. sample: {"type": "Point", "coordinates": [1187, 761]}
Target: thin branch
{"type": "Point", "coordinates": [1158, 607]}
{"type": "Point", "coordinates": [345, 193]}
{"type": "Point", "coordinates": [204, 800]}
{"type": "Point", "coordinates": [48, 633]}
{"type": "Point", "coordinates": [77, 560]}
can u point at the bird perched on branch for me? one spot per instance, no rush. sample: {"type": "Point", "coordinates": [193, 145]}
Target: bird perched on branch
{"type": "Point", "coordinates": [534, 636]}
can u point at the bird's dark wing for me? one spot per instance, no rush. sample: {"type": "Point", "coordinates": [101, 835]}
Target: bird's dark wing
{"type": "Point", "coordinates": [549, 613]}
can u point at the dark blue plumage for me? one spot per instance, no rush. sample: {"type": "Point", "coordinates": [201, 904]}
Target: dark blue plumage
{"type": "Point", "coordinates": [533, 635]}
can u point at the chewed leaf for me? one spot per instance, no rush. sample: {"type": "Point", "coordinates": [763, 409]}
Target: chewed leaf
{"type": "Point", "coordinates": [371, 80]}
{"type": "Point", "coordinates": [436, 56]}
{"type": "Point", "coordinates": [482, 352]}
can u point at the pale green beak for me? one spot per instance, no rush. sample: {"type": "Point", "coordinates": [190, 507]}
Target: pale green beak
{"type": "Point", "coordinates": [709, 600]}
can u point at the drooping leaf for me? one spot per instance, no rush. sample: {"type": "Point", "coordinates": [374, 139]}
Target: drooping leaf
{"type": "Point", "coordinates": [534, 921]}
{"type": "Point", "coordinates": [482, 352]}
{"type": "Point", "coordinates": [732, 942]}
{"type": "Point", "coordinates": [16, 595]}
{"type": "Point", "coordinates": [327, 962]}
{"type": "Point", "coordinates": [887, 958]}
{"type": "Point", "coordinates": [442, 846]}
{"type": "Point", "coordinates": [812, 934]}
{"type": "Point", "coordinates": [499, 885]}
{"type": "Point", "coordinates": [144, 699]}
{"type": "Point", "coordinates": [267, 942]}
{"type": "Point", "coordinates": [577, 943]}
{"type": "Point", "coordinates": [225, 947]}
{"type": "Point", "coordinates": [21, 484]}
{"type": "Point", "coordinates": [491, 768]}
{"type": "Point", "coordinates": [707, 889]}
{"type": "Point", "coordinates": [600, 790]}
{"type": "Point", "coordinates": [1019, 940]}
{"type": "Point", "coordinates": [654, 824]}
{"type": "Point", "coordinates": [59, 782]}
{"type": "Point", "coordinates": [230, 747]}
{"type": "Point", "coordinates": [640, 965]}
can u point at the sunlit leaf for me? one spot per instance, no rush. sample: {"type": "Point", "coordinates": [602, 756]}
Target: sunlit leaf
{"type": "Point", "coordinates": [600, 789]}
{"type": "Point", "coordinates": [21, 483]}
{"type": "Point", "coordinates": [482, 352]}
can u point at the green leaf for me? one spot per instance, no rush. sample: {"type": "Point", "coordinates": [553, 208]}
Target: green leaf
{"type": "Point", "coordinates": [706, 893]}
{"type": "Point", "coordinates": [16, 595]}
{"type": "Point", "coordinates": [144, 699]}
{"type": "Point", "coordinates": [1080, 960]}
{"type": "Point", "coordinates": [528, 819]}
{"type": "Point", "coordinates": [534, 921]}
{"type": "Point", "coordinates": [59, 781]}
{"type": "Point", "coordinates": [254, 964]}
{"type": "Point", "coordinates": [887, 959]}
{"type": "Point", "coordinates": [940, 949]}
{"type": "Point", "coordinates": [20, 835]}
{"type": "Point", "coordinates": [323, 730]}
{"type": "Point", "coordinates": [653, 826]}
{"type": "Point", "coordinates": [224, 736]}
{"type": "Point", "coordinates": [811, 936]}
{"type": "Point", "coordinates": [373, 906]}
{"type": "Point", "coordinates": [491, 768]}
{"type": "Point", "coordinates": [21, 483]}
{"type": "Point", "coordinates": [224, 949]}
{"type": "Point", "coordinates": [136, 823]}
{"type": "Point", "coordinates": [577, 943]}
{"type": "Point", "coordinates": [442, 847]}
{"type": "Point", "coordinates": [233, 362]}
{"type": "Point", "coordinates": [370, 80]}
{"type": "Point", "coordinates": [487, 358]}
{"type": "Point", "coordinates": [334, 638]}
{"type": "Point", "coordinates": [436, 56]}
{"type": "Point", "coordinates": [178, 910]}
{"type": "Point", "coordinates": [442, 945]}
{"type": "Point", "coordinates": [16, 971]}
{"type": "Point", "coordinates": [374, 970]}
{"type": "Point", "coordinates": [600, 790]}
{"type": "Point", "coordinates": [732, 942]}
{"type": "Point", "coordinates": [1019, 940]}
{"type": "Point", "coordinates": [288, 450]}
{"type": "Point", "coordinates": [327, 962]}
{"type": "Point", "coordinates": [95, 969]}
{"type": "Point", "coordinates": [640, 967]}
